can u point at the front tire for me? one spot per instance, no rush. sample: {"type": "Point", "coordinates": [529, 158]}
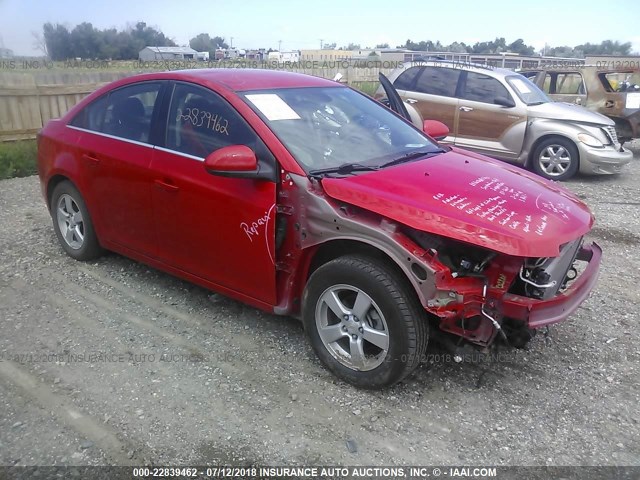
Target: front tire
{"type": "Point", "coordinates": [556, 159]}
{"type": "Point", "coordinates": [364, 322]}
{"type": "Point", "coordinates": [72, 223]}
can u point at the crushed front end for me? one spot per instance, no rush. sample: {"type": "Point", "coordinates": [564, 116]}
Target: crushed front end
{"type": "Point", "coordinates": [482, 295]}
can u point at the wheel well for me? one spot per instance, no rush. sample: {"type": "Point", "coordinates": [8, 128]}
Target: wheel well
{"type": "Point", "coordinates": [338, 248]}
{"type": "Point", "coordinates": [53, 183]}
{"type": "Point", "coordinates": [537, 143]}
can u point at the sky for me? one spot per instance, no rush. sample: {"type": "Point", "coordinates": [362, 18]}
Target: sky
{"type": "Point", "coordinates": [303, 25]}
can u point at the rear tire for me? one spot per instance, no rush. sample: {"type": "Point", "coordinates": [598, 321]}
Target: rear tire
{"type": "Point", "coordinates": [72, 223]}
{"type": "Point", "coordinates": [364, 322]}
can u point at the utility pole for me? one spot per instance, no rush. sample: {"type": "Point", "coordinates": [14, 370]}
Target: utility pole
{"type": "Point", "coordinates": [321, 40]}
{"type": "Point", "coordinates": [231, 46]}
{"type": "Point", "coordinates": [279, 45]}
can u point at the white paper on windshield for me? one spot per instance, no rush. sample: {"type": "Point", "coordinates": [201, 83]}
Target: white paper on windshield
{"type": "Point", "coordinates": [273, 107]}
{"type": "Point", "coordinates": [520, 85]}
{"type": "Point", "coordinates": [633, 100]}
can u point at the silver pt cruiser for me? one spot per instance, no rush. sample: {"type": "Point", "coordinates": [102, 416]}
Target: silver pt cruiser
{"type": "Point", "coordinates": [500, 113]}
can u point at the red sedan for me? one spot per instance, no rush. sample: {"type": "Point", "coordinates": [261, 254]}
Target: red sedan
{"type": "Point", "coordinates": [303, 197]}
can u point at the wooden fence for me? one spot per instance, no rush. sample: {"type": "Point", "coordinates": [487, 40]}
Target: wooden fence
{"type": "Point", "coordinates": [29, 100]}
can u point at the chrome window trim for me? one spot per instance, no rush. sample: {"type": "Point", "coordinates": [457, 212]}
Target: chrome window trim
{"type": "Point", "coordinates": [181, 154]}
{"type": "Point", "coordinates": [135, 142]}
{"type": "Point", "coordinates": [142, 144]}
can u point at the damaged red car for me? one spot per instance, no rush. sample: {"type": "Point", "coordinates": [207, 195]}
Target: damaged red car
{"type": "Point", "coordinates": [303, 197]}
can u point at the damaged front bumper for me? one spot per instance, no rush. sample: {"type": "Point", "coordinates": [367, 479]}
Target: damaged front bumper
{"type": "Point", "coordinates": [482, 307]}
{"type": "Point", "coordinates": [539, 313]}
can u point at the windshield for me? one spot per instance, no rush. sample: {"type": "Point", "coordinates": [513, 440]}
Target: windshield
{"type": "Point", "coordinates": [528, 92]}
{"type": "Point", "coordinates": [327, 128]}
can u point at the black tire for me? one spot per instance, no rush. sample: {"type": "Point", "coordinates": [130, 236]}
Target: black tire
{"type": "Point", "coordinates": [66, 197]}
{"type": "Point", "coordinates": [549, 157]}
{"type": "Point", "coordinates": [394, 310]}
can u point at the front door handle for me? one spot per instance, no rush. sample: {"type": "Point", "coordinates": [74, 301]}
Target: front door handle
{"type": "Point", "coordinates": [466, 109]}
{"type": "Point", "coordinates": [411, 100]}
{"type": "Point", "coordinates": [166, 186]}
{"type": "Point", "coordinates": [92, 158]}
{"type": "Point", "coordinates": [609, 104]}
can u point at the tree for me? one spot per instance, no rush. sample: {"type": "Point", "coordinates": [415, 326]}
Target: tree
{"type": "Point", "coordinates": [520, 47]}
{"type": "Point", "coordinates": [58, 41]}
{"type": "Point", "coordinates": [423, 46]}
{"type": "Point", "coordinates": [499, 45]}
{"type": "Point", "coordinates": [353, 46]}
{"type": "Point", "coordinates": [329, 46]}
{"type": "Point", "coordinates": [204, 43]}
{"type": "Point", "coordinates": [219, 42]}
{"type": "Point", "coordinates": [564, 51]}
{"type": "Point", "coordinates": [457, 47]}
{"type": "Point", "coordinates": [382, 45]}
{"type": "Point", "coordinates": [85, 41]}
{"type": "Point", "coordinates": [607, 47]}
{"type": "Point", "coordinates": [39, 43]}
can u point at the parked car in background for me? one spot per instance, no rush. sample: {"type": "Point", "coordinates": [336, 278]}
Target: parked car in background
{"type": "Point", "coordinates": [502, 114]}
{"type": "Point", "coordinates": [303, 197]}
{"type": "Point", "coordinates": [609, 91]}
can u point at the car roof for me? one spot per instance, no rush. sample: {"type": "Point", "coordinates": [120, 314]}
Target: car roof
{"type": "Point", "coordinates": [462, 65]}
{"type": "Point", "coordinates": [238, 79]}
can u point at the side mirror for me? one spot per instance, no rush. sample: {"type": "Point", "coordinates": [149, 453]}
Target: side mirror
{"type": "Point", "coordinates": [232, 161]}
{"type": "Point", "coordinates": [504, 102]}
{"type": "Point", "coordinates": [435, 129]}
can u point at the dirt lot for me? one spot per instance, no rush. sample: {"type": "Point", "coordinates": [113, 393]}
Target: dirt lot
{"type": "Point", "coordinates": [112, 362]}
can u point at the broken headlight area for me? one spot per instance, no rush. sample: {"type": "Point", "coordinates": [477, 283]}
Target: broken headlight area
{"type": "Point", "coordinates": [543, 278]}
{"type": "Point", "coordinates": [473, 286]}
{"type": "Point", "coordinates": [461, 258]}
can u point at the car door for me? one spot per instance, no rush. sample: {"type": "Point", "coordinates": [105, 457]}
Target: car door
{"type": "Point", "coordinates": [115, 153]}
{"type": "Point", "coordinates": [485, 124]}
{"type": "Point", "coordinates": [566, 87]}
{"type": "Point", "coordinates": [220, 229]}
{"type": "Point", "coordinates": [432, 91]}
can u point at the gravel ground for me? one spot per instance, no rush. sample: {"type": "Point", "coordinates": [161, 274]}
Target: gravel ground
{"type": "Point", "coordinates": [112, 362]}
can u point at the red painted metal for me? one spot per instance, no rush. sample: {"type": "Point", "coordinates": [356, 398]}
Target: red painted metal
{"type": "Point", "coordinates": [165, 209]}
{"type": "Point", "coordinates": [473, 199]}
{"type": "Point", "coordinates": [234, 158]}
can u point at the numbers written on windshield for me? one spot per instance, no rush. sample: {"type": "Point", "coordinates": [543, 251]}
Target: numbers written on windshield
{"type": "Point", "coordinates": [199, 118]}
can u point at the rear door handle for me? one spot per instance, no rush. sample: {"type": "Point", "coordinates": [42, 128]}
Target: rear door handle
{"type": "Point", "coordinates": [411, 100]}
{"type": "Point", "coordinates": [609, 104]}
{"type": "Point", "coordinates": [168, 187]}
{"type": "Point", "coordinates": [466, 109]}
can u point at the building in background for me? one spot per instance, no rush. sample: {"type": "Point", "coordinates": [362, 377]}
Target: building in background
{"type": "Point", "coordinates": [284, 57]}
{"type": "Point", "coordinates": [148, 54]}
{"type": "Point", "coordinates": [6, 53]}
{"type": "Point", "coordinates": [325, 55]}
{"type": "Point", "coordinates": [259, 54]}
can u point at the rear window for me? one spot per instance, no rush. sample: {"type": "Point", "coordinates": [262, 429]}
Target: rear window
{"type": "Point", "coordinates": [438, 81]}
{"type": "Point", "coordinates": [621, 81]}
{"type": "Point", "coordinates": [406, 78]}
{"type": "Point", "coordinates": [92, 116]}
{"type": "Point", "coordinates": [124, 113]}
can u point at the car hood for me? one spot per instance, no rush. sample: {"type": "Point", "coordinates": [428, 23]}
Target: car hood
{"type": "Point", "coordinates": [471, 198]}
{"type": "Point", "coordinates": [568, 112]}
